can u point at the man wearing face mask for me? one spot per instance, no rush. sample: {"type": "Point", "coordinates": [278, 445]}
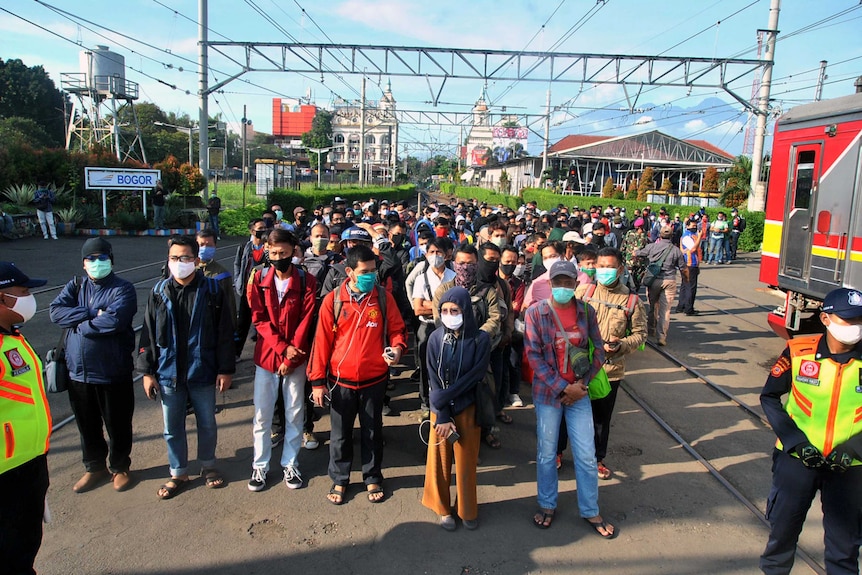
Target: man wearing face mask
{"type": "Point", "coordinates": [540, 288]}
{"type": "Point", "coordinates": [430, 276]}
{"type": "Point", "coordinates": [350, 361]}
{"type": "Point", "coordinates": [819, 444]}
{"type": "Point", "coordinates": [186, 354]}
{"type": "Point", "coordinates": [212, 269]}
{"type": "Point", "coordinates": [622, 322]}
{"type": "Point", "coordinates": [512, 355]}
{"type": "Point", "coordinates": [97, 311]}
{"type": "Point", "coordinates": [248, 256]}
{"type": "Point", "coordinates": [27, 425]}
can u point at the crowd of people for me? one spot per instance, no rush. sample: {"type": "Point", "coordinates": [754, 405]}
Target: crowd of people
{"type": "Point", "coordinates": [485, 298]}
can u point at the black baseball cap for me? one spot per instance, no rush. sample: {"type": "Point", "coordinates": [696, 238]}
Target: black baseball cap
{"type": "Point", "coordinates": [843, 302]}
{"type": "Point", "coordinates": [11, 276]}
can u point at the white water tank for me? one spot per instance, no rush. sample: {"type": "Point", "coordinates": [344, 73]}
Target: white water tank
{"type": "Point", "coordinates": [105, 71]}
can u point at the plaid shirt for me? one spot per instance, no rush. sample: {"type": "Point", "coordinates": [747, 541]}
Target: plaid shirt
{"type": "Point", "coordinates": [539, 336]}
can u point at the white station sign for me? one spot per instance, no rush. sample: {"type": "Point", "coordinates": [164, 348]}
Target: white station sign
{"type": "Point", "coordinates": [121, 178]}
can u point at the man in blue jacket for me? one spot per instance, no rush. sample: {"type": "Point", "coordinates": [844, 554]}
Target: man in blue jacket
{"type": "Point", "coordinates": [97, 311]}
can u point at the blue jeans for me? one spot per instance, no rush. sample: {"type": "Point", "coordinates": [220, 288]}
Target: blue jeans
{"type": "Point", "coordinates": [203, 399]}
{"type": "Point", "coordinates": [716, 250]}
{"type": "Point", "coordinates": [266, 384]}
{"type": "Point", "coordinates": [214, 225]}
{"type": "Point", "coordinates": [579, 422]}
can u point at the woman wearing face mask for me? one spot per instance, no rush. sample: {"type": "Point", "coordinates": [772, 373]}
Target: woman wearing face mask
{"type": "Point", "coordinates": [458, 357]}
{"type": "Point", "coordinates": [819, 442]}
{"type": "Point", "coordinates": [97, 311]}
{"type": "Point", "coordinates": [27, 426]}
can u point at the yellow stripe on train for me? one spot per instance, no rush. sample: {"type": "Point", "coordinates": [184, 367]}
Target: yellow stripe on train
{"type": "Point", "coordinates": [772, 237]}
{"type": "Point", "coordinates": [832, 253]}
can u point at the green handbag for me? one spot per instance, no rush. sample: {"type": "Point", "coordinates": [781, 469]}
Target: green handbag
{"type": "Point", "coordinates": [600, 386]}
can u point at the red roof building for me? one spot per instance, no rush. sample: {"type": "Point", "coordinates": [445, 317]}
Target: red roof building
{"type": "Point", "coordinates": [289, 121]}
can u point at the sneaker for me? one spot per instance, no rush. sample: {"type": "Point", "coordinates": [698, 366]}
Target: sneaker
{"type": "Point", "coordinates": [277, 438]}
{"type": "Point", "coordinates": [292, 477]}
{"type": "Point", "coordinates": [515, 400]}
{"type": "Point", "coordinates": [258, 480]}
{"type": "Point", "coordinates": [309, 441]}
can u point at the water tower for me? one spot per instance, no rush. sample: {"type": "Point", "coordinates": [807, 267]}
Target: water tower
{"type": "Point", "coordinates": [103, 93]}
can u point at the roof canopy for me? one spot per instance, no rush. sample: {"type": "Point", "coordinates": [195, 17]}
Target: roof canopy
{"type": "Point", "coordinates": [653, 148]}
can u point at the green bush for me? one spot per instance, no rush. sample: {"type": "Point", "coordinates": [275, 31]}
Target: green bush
{"type": "Point", "coordinates": [289, 199]}
{"type": "Point", "coordinates": [234, 222]}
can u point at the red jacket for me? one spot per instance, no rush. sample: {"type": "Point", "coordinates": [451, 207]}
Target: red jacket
{"type": "Point", "coordinates": [280, 324]}
{"type": "Point", "coordinates": [350, 353]}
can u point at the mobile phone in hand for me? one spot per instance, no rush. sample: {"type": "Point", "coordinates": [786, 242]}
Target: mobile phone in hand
{"type": "Point", "coordinates": [453, 437]}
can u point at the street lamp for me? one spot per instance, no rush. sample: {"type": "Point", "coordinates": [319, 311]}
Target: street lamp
{"type": "Point", "coordinates": [245, 123]}
{"type": "Point", "coordinates": [320, 151]}
{"type": "Point", "coordinates": [185, 130]}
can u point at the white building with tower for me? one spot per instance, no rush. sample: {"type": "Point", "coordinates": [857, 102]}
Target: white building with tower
{"type": "Point", "coordinates": [381, 136]}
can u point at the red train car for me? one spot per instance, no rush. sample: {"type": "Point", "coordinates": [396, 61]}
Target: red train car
{"type": "Point", "coordinates": [812, 238]}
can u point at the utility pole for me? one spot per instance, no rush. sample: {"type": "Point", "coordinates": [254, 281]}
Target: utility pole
{"type": "Point", "coordinates": [757, 197]}
{"type": "Point", "coordinates": [203, 96]}
{"type": "Point", "coordinates": [460, 143]}
{"type": "Point", "coordinates": [244, 165]}
{"type": "Point", "coordinates": [820, 79]}
{"type": "Point", "coordinates": [547, 135]}
{"type": "Point", "coordinates": [362, 134]}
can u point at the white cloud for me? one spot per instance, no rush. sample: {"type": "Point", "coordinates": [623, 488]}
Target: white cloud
{"type": "Point", "coordinates": [694, 126]}
{"type": "Point", "coordinates": [643, 120]}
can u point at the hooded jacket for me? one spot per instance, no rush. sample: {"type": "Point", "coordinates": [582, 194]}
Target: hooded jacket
{"type": "Point", "coordinates": [452, 382]}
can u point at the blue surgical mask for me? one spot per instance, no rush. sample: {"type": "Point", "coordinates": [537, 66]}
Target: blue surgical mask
{"type": "Point", "coordinates": [606, 276]}
{"type": "Point", "coordinates": [98, 269]}
{"type": "Point", "coordinates": [562, 294]}
{"type": "Point", "coordinates": [206, 253]}
{"type": "Point", "coordinates": [279, 214]}
{"type": "Point", "coordinates": [366, 282]}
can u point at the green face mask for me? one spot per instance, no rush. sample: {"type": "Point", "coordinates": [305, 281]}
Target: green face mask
{"type": "Point", "coordinates": [606, 276]}
{"type": "Point", "coordinates": [589, 271]}
{"type": "Point", "coordinates": [366, 282]}
{"type": "Point", "coordinates": [98, 269]}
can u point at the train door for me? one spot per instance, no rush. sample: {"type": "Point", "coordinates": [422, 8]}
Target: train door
{"type": "Point", "coordinates": [803, 176]}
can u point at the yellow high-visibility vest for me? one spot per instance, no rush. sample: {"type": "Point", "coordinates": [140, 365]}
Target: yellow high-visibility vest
{"type": "Point", "coordinates": [825, 398]}
{"type": "Point", "coordinates": [25, 416]}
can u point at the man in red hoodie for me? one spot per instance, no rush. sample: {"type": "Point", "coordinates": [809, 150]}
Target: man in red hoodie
{"type": "Point", "coordinates": [282, 301]}
{"type": "Point", "coordinates": [350, 361]}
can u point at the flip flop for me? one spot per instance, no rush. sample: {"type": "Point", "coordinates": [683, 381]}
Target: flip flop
{"type": "Point", "coordinates": [504, 417]}
{"type": "Point", "coordinates": [172, 491]}
{"type": "Point", "coordinates": [374, 489]}
{"type": "Point", "coordinates": [492, 441]}
{"type": "Point", "coordinates": [214, 479]}
{"type": "Point", "coordinates": [604, 472]}
{"type": "Point", "coordinates": [547, 517]}
{"type": "Point", "coordinates": [337, 493]}
{"type": "Point", "coordinates": [596, 525]}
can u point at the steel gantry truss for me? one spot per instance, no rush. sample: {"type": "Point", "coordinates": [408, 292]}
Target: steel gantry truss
{"type": "Point", "coordinates": [488, 65]}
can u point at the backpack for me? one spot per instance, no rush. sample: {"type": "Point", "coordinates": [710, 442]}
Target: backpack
{"type": "Point", "coordinates": [654, 268]}
{"type": "Point", "coordinates": [265, 270]}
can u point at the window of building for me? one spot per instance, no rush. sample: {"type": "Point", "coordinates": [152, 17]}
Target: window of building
{"type": "Point", "coordinates": [369, 139]}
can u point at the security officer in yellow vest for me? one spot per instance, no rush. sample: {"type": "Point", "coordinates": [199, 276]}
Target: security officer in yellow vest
{"type": "Point", "coordinates": [819, 438]}
{"type": "Point", "coordinates": [26, 427]}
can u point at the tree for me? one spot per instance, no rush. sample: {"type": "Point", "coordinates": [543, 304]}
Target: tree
{"type": "Point", "coordinates": [22, 131]}
{"type": "Point", "coordinates": [736, 182]}
{"type": "Point", "coordinates": [632, 193]}
{"type": "Point", "coordinates": [504, 182]}
{"type": "Point", "coordinates": [28, 92]}
{"type": "Point", "coordinates": [320, 136]}
{"type": "Point", "coordinates": [646, 184]}
{"type": "Point", "coordinates": [710, 180]}
{"type": "Point", "coordinates": [608, 189]}
{"type": "Point", "coordinates": [666, 185]}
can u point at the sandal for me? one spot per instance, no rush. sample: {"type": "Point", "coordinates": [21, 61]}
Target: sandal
{"type": "Point", "coordinates": [597, 525]}
{"type": "Point", "coordinates": [492, 441]}
{"type": "Point", "coordinates": [336, 494]}
{"type": "Point", "coordinates": [543, 518]}
{"type": "Point", "coordinates": [172, 488]}
{"type": "Point", "coordinates": [504, 417]}
{"type": "Point", "coordinates": [214, 480]}
{"type": "Point", "coordinates": [374, 490]}
{"type": "Point", "coordinates": [604, 472]}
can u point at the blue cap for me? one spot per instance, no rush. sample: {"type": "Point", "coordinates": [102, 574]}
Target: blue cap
{"type": "Point", "coordinates": [11, 276]}
{"type": "Point", "coordinates": [563, 268]}
{"type": "Point", "coordinates": [843, 302]}
{"type": "Point", "coordinates": [355, 234]}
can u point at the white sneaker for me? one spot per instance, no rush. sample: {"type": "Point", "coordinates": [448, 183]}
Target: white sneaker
{"type": "Point", "coordinates": [515, 400]}
{"type": "Point", "coordinates": [292, 477]}
{"type": "Point", "coordinates": [258, 480]}
{"type": "Point", "coordinates": [310, 441]}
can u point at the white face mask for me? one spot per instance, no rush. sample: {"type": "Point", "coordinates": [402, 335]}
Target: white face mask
{"type": "Point", "coordinates": [519, 270]}
{"type": "Point", "coordinates": [25, 306]}
{"type": "Point", "coordinates": [452, 321]}
{"type": "Point", "coordinates": [436, 261]}
{"type": "Point", "coordinates": [548, 262]}
{"type": "Point", "coordinates": [846, 334]}
{"type": "Point", "coordinates": [295, 260]}
{"type": "Point", "coordinates": [181, 270]}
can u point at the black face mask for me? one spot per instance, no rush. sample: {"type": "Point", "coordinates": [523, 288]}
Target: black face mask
{"type": "Point", "coordinates": [598, 241]}
{"type": "Point", "coordinates": [268, 222]}
{"type": "Point", "coordinates": [487, 271]}
{"type": "Point", "coordinates": [397, 240]}
{"type": "Point", "coordinates": [507, 269]}
{"type": "Point", "coordinates": [281, 265]}
{"type": "Point", "coordinates": [259, 234]}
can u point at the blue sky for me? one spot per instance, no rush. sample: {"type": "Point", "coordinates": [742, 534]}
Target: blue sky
{"type": "Point", "coordinates": [702, 28]}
